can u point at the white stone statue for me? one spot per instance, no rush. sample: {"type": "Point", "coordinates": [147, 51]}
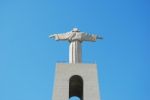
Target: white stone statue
{"type": "Point", "coordinates": [75, 37]}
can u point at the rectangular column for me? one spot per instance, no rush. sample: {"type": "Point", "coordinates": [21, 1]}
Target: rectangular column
{"type": "Point", "coordinates": [89, 74]}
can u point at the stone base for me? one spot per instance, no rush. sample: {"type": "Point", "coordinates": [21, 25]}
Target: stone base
{"type": "Point", "coordinates": [88, 73]}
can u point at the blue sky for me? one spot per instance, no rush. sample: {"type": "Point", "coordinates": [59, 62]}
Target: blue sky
{"type": "Point", "coordinates": [28, 56]}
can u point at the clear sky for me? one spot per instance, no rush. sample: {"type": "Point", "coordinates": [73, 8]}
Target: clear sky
{"type": "Point", "coordinates": [28, 56]}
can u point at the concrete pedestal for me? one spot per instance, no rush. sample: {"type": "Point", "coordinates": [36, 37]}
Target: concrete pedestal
{"type": "Point", "coordinates": [88, 73]}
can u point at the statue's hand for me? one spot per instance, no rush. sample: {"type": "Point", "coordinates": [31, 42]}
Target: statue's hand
{"type": "Point", "coordinates": [52, 36]}
{"type": "Point", "coordinates": [99, 37]}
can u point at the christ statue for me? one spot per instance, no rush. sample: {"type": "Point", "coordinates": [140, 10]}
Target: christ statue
{"type": "Point", "coordinates": [75, 37]}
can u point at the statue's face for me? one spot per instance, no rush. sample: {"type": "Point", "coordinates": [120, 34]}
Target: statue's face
{"type": "Point", "coordinates": [75, 30]}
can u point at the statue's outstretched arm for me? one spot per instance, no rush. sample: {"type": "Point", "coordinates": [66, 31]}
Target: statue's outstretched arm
{"type": "Point", "coordinates": [90, 37]}
{"type": "Point", "coordinates": [63, 36]}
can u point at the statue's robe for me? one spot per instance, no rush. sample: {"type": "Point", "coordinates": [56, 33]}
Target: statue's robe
{"type": "Point", "coordinates": [75, 38]}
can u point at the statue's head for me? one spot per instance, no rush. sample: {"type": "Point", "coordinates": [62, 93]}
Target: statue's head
{"type": "Point", "coordinates": [75, 30]}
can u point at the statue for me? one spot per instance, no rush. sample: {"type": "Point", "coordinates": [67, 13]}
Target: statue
{"type": "Point", "coordinates": [75, 37]}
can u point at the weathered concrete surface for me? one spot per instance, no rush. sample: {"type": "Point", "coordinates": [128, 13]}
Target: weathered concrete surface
{"type": "Point", "coordinates": [88, 72]}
